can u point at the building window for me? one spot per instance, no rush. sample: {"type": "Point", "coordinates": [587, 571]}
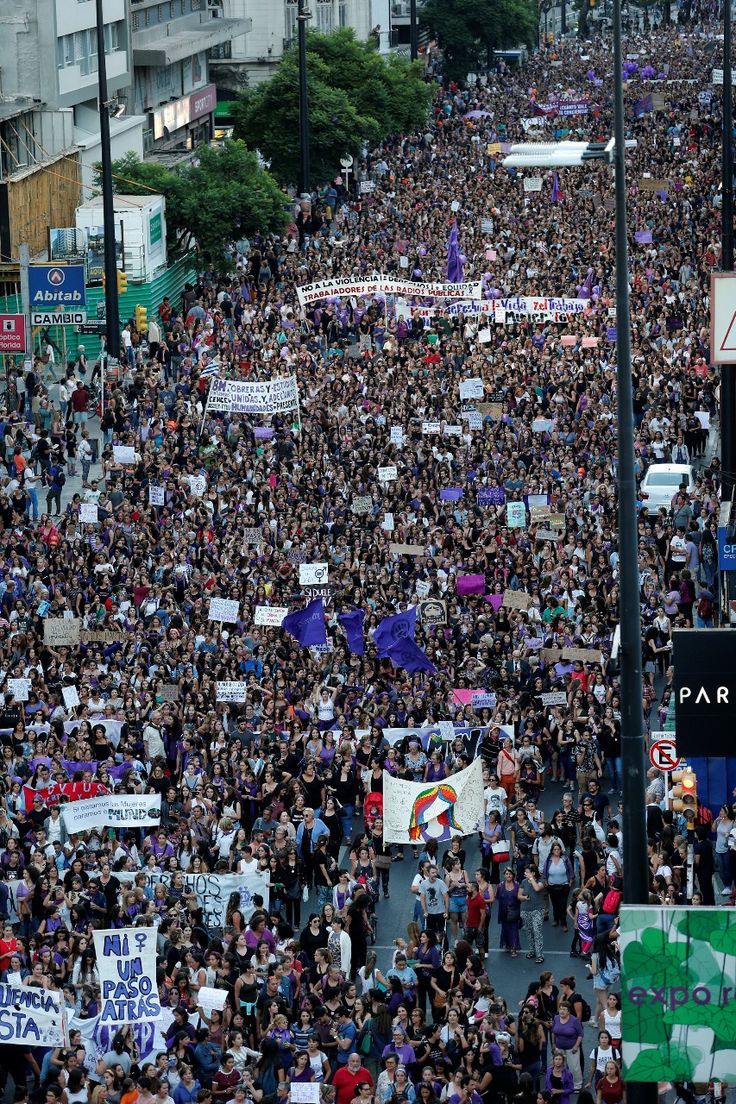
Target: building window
{"type": "Point", "coordinates": [324, 22]}
{"type": "Point", "coordinates": [134, 21]}
{"type": "Point", "coordinates": [343, 16]}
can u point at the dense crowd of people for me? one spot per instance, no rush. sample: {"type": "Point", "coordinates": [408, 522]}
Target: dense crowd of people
{"type": "Point", "coordinates": [288, 784]}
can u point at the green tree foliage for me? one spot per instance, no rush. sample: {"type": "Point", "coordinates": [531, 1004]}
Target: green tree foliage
{"type": "Point", "coordinates": [225, 195]}
{"type": "Point", "coordinates": [355, 96]}
{"type": "Point", "coordinates": [229, 195]}
{"type": "Point", "coordinates": [468, 30]}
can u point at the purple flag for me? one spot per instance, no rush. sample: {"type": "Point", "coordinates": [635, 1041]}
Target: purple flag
{"type": "Point", "coordinates": [471, 584]}
{"type": "Point", "coordinates": [307, 625]}
{"type": "Point", "coordinates": [554, 197]}
{"type": "Point", "coordinates": [392, 629]}
{"type": "Point", "coordinates": [352, 624]}
{"type": "Point", "coordinates": [454, 260]}
{"type": "Point", "coordinates": [405, 653]}
{"type": "Point", "coordinates": [451, 494]}
{"type": "Point", "coordinates": [611, 333]}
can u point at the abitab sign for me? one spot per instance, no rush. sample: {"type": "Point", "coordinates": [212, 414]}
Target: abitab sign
{"type": "Point", "coordinates": [678, 993]}
{"type": "Point", "coordinates": [54, 287]}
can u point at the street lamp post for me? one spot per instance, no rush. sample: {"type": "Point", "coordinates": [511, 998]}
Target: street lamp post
{"type": "Point", "coordinates": [303, 16]}
{"type": "Point", "coordinates": [413, 31]}
{"type": "Point", "coordinates": [112, 317]}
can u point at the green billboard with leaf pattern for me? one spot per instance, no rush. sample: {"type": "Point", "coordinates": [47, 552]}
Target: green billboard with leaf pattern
{"type": "Point", "coordinates": [678, 993]}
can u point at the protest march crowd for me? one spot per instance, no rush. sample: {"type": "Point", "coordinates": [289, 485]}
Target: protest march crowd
{"type": "Point", "coordinates": [276, 597]}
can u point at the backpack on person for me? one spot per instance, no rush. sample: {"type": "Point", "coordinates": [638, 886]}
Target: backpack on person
{"type": "Point", "coordinates": [587, 1012]}
{"type": "Point", "coordinates": [705, 607]}
{"type": "Point", "coordinates": [59, 478]}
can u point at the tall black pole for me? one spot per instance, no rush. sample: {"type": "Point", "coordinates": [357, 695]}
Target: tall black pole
{"type": "Point", "coordinates": [636, 866]}
{"type": "Point", "coordinates": [728, 380]}
{"type": "Point", "coordinates": [413, 31]}
{"type": "Point", "coordinates": [112, 317]}
{"type": "Point", "coordinates": [563, 18]}
{"type": "Point", "coordinates": [304, 167]}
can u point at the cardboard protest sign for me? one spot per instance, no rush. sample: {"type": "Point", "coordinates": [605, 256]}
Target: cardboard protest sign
{"type": "Point", "coordinates": [406, 549]}
{"type": "Point", "coordinates": [471, 388]}
{"type": "Point", "coordinates": [70, 696]}
{"type": "Point", "coordinates": [169, 692]}
{"type": "Point", "coordinates": [123, 454]}
{"type": "Point", "coordinates": [252, 536]}
{"type": "Point", "coordinates": [517, 599]}
{"type": "Point", "coordinates": [270, 615]}
{"type": "Point", "coordinates": [126, 963]}
{"type": "Point", "coordinates": [432, 611]}
{"type": "Point", "coordinates": [209, 998]}
{"type": "Point", "coordinates": [548, 534]}
{"type": "Point", "coordinates": [88, 513]}
{"type": "Point", "coordinates": [31, 1016]}
{"type": "Point", "coordinates": [515, 515]}
{"type": "Point", "coordinates": [61, 632]}
{"type": "Point", "coordinates": [156, 495]}
{"type": "Point", "coordinates": [397, 436]}
{"type": "Point", "coordinates": [362, 504]}
{"type": "Point", "coordinates": [585, 655]}
{"type": "Point", "coordinates": [313, 573]}
{"type": "Point", "coordinates": [388, 474]}
{"type": "Point", "coordinates": [557, 697]}
{"type": "Point", "coordinates": [388, 523]}
{"type": "Point", "coordinates": [20, 688]}
{"type": "Point", "coordinates": [224, 609]}
{"type": "Point", "coordinates": [551, 655]}
{"type": "Point", "coordinates": [230, 691]}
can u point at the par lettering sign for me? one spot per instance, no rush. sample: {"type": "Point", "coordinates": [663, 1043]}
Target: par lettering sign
{"type": "Point", "coordinates": [705, 691]}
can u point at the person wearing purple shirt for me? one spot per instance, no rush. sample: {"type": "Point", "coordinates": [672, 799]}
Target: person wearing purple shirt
{"type": "Point", "coordinates": [398, 1046]}
{"type": "Point", "coordinates": [567, 1034]}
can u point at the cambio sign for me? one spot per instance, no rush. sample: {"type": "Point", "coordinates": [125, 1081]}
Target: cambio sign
{"type": "Point", "coordinates": [705, 690]}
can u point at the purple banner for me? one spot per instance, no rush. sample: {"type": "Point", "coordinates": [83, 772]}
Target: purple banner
{"type": "Point", "coordinates": [491, 496]}
{"type": "Point", "coordinates": [264, 432]}
{"type": "Point", "coordinates": [451, 494]}
{"type": "Point", "coordinates": [643, 237]}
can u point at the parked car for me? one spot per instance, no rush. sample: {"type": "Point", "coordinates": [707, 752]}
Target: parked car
{"type": "Point", "coordinates": [662, 481]}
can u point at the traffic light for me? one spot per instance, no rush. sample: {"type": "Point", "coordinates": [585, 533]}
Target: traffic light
{"type": "Point", "coordinates": [141, 319]}
{"type": "Point", "coordinates": [685, 794]}
{"type": "Point", "coordinates": [122, 282]}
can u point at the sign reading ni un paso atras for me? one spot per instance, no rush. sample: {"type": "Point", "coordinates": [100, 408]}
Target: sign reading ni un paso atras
{"type": "Point", "coordinates": [705, 691]}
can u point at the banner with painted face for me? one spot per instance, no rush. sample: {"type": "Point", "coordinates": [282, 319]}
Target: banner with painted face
{"type": "Point", "coordinates": [415, 812]}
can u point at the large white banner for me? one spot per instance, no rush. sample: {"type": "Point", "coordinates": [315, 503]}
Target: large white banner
{"type": "Point", "coordinates": [544, 308]}
{"type": "Point", "coordinates": [30, 1016]}
{"type": "Point", "coordinates": [112, 811]}
{"type": "Point", "coordinates": [387, 285]}
{"type": "Point", "coordinates": [126, 963]}
{"type": "Point", "coordinates": [148, 1038]}
{"type": "Point", "coordinates": [213, 891]}
{"type": "Point", "coordinates": [418, 811]}
{"type": "Point", "coordinates": [276, 396]}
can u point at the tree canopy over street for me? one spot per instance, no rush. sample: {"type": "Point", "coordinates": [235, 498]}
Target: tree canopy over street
{"type": "Point", "coordinates": [355, 96]}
